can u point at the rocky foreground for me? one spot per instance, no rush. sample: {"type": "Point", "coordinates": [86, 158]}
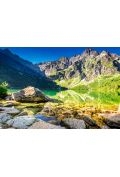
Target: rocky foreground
{"type": "Point", "coordinates": [12, 118]}
{"type": "Point", "coordinates": [17, 113]}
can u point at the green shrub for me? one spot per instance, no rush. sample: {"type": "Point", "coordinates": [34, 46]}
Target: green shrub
{"type": "Point", "coordinates": [3, 89]}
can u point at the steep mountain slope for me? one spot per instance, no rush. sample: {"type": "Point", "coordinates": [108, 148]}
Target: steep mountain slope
{"type": "Point", "coordinates": [85, 67]}
{"type": "Point", "coordinates": [20, 73]}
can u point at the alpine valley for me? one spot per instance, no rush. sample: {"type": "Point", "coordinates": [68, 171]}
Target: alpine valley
{"type": "Point", "coordinates": [82, 91]}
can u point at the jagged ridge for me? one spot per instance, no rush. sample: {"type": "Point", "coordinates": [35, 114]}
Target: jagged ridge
{"type": "Point", "coordinates": [87, 66]}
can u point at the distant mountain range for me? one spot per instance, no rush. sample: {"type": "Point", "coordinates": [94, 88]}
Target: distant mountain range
{"type": "Point", "coordinates": [86, 67]}
{"type": "Point", "coordinates": [20, 73]}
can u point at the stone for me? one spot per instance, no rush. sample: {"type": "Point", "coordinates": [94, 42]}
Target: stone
{"type": "Point", "coordinates": [4, 117]}
{"type": "Point", "coordinates": [51, 120]}
{"type": "Point", "coordinates": [8, 98]}
{"type": "Point", "coordinates": [1, 126]}
{"type": "Point", "coordinates": [48, 109]}
{"type": "Point", "coordinates": [55, 122]}
{"type": "Point", "coordinates": [10, 122]}
{"type": "Point", "coordinates": [21, 122]}
{"type": "Point", "coordinates": [89, 120]}
{"type": "Point", "coordinates": [23, 113]}
{"type": "Point", "coordinates": [74, 123]}
{"type": "Point", "coordinates": [112, 119]}
{"type": "Point", "coordinates": [9, 110]}
{"type": "Point", "coordinates": [45, 125]}
{"type": "Point", "coordinates": [30, 94]}
{"type": "Point", "coordinates": [105, 127]}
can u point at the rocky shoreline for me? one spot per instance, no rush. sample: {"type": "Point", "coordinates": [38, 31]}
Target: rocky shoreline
{"type": "Point", "coordinates": [49, 114]}
{"type": "Point", "coordinates": [12, 118]}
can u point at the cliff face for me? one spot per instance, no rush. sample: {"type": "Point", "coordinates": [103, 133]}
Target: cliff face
{"type": "Point", "coordinates": [89, 65]}
{"type": "Point", "coordinates": [20, 73]}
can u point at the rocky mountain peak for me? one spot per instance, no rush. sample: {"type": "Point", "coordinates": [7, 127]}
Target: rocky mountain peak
{"type": "Point", "coordinates": [105, 53]}
{"type": "Point", "coordinates": [63, 59]}
{"type": "Point", "coordinates": [90, 52]}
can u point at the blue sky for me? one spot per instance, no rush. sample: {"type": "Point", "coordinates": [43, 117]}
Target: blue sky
{"type": "Point", "coordinates": [41, 54]}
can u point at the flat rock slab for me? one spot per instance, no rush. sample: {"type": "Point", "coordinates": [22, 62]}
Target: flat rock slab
{"type": "Point", "coordinates": [112, 119]}
{"type": "Point", "coordinates": [74, 123]}
{"type": "Point", "coordinates": [21, 122]}
{"type": "Point", "coordinates": [44, 125]}
{"type": "Point", "coordinates": [8, 110]}
{"type": "Point", "coordinates": [4, 117]}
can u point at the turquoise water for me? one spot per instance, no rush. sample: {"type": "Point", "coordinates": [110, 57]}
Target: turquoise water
{"type": "Point", "coordinates": [51, 93]}
{"type": "Point", "coordinates": [13, 90]}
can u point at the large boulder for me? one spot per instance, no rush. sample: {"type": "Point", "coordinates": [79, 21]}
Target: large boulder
{"type": "Point", "coordinates": [21, 122]}
{"type": "Point", "coordinates": [44, 125]}
{"type": "Point", "coordinates": [4, 117]}
{"type": "Point", "coordinates": [12, 111]}
{"type": "Point", "coordinates": [74, 123]}
{"type": "Point", "coordinates": [30, 94]}
{"type": "Point", "coordinates": [112, 119]}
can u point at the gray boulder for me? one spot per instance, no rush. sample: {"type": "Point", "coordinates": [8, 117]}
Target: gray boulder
{"type": "Point", "coordinates": [44, 125]}
{"type": "Point", "coordinates": [8, 110]}
{"type": "Point", "coordinates": [4, 117]}
{"type": "Point", "coordinates": [112, 119]}
{"type": "Point", "coordinates": [74, 123]}
{"type": "Point", "coordinates": [30, 94]}
{"type": "Point", "coordinates": [21, 122]}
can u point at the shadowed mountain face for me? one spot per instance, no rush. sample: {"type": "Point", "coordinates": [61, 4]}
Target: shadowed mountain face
{"type": "Point", "coordinates": [87, 66]}
{"type": "Point", "coordinates": [20, 73]}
